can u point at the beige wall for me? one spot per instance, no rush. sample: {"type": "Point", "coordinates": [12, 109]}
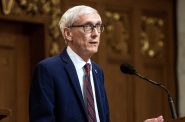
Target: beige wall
{"type": "Point", "coordinates": [181, 54]}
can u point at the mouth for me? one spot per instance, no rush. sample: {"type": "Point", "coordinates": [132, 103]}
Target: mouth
{"type": "Point", "coordinates": [93, 43]}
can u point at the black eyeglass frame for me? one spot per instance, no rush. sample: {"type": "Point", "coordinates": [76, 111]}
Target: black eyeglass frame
{"type": "Point", "coordinates": [92, 27]}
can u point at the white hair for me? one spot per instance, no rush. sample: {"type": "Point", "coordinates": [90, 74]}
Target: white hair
{"type": "Point", "coordinates": [70, 16]}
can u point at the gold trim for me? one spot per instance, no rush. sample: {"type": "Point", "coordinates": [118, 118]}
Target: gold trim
{"type": "Point", "coordinates": [7, 6]}
{"type": "Point", "coordinates": [152, 36]}
{"type": "Point", "coordinates": [117, 30]}
{"type": "Point", "coordinates": [54, 49]}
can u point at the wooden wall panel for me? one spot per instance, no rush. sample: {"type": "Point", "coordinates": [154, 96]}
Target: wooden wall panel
{"type": "Point", "coordinates": [117, 45]}
{"type": "Point", "coordinates": [156, 66]}
{"type": "Point", "coordinates": [9, 40]}
{"type": "Point", "coordinates": [150, 99]}
{"type": "Point", "coordinates": [15, 62]}
{"type": "Point", "coordinates": [7, 82]}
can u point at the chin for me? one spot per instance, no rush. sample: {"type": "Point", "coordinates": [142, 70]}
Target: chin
{"type": "Point", "coordinates": [91, 52]}
{"type": "Point", "coordinates": [94, 50]}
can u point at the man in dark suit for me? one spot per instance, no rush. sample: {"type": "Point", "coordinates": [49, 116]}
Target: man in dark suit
{"type": "Point", "coordinates": [69, 87]}
{"type": "Point", "coordinates": [57, 92]}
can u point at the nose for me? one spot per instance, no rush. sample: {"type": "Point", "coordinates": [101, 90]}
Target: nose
{"type": "Point", "coordinates": [95, 31]}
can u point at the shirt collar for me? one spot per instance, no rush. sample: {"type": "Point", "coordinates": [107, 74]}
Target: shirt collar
{"type": "Point", "coordinates": [76, 59]}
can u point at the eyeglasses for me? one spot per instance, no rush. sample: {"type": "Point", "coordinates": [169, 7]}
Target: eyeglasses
{"type": "Point", "coordinates": [88, 28]}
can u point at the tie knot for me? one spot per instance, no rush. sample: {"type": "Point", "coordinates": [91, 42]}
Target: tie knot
{"type": "Point", "coordinates": [87, 68]}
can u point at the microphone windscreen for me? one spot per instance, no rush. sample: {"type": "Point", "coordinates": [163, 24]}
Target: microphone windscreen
{"type": "Point", "coordinates": [127, 69]}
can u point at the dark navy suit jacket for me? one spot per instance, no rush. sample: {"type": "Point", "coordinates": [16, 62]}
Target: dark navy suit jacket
{"type": "Point", "coordinates": [55, 93]}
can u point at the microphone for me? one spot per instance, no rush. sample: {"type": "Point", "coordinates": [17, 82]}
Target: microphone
{"type": "Point", "coordinates": [129, 69]}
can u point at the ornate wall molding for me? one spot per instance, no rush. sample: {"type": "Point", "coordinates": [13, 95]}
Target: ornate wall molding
{"type": "Point", "coordinates": [7, 6]}
{"type": "Point", "coordinates": [39, 8]}
{"type": "Point", "coordinates": [152, 35]}
{"type": "Point", "coordinates": [117, 34]}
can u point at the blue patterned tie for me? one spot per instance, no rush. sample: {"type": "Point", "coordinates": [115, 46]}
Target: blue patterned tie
{"type": "Point", "coordinates": [88, 95]}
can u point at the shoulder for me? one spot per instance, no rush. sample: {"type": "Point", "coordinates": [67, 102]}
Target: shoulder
{"type": "Point", "coordinates": [50, 67]}
{"type": "Point", "coordinates": [50, 64]}
{"type": "Point", "coordinates": [50, 61]}
{"type": "Point", "coordinates": [56, 60]}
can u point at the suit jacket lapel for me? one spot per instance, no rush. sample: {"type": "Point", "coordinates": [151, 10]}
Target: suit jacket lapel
{"type": "Point", "coordinates": [98, 92]}
{"type": "Point", "coordinates": [74, 78]}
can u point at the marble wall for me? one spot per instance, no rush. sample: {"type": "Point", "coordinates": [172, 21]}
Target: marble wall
{"type": "Point", "coordinates": [181, 54]}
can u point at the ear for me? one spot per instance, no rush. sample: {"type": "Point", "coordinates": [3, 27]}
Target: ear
{"type": "Point", "coordinates": [68, 34]}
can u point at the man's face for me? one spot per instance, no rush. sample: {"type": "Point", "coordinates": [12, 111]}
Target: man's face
{"type": "Point", "coordinates": [85, 44]}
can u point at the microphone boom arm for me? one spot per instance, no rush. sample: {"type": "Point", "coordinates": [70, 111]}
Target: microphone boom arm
{"type": "Point", "coordinates": [170, 99]}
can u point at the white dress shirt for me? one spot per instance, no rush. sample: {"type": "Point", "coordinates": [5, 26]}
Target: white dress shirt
{"type": "Point", "coordinates": [79, 66]}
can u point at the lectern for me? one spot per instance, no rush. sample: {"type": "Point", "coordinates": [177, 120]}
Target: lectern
{"type": "Point", "coordinates": [178, 120]}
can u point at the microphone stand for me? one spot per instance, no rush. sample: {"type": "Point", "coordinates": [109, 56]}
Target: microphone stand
{"type": "Point", "coordinates": [170, 99]}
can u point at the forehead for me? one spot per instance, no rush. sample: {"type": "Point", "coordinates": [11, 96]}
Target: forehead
{"type": "Point", "coordinates": [89, 18]}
